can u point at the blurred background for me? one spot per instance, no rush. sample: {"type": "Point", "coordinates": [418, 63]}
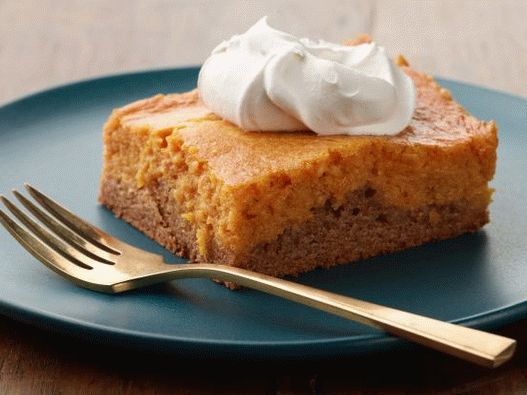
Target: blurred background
{"type": "Point", "coordinates": [49, 42]}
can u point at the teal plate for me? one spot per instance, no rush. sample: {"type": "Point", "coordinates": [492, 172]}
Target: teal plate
{"type": "Point", "coordinates": [52, 139]}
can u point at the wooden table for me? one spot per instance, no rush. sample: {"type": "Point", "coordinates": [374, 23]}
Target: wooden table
{"type": "Point", "coordinates": [44, 43]}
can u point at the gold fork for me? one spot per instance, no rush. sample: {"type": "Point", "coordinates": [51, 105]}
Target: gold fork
{"type": "Point", "coordinates": [91, 258]}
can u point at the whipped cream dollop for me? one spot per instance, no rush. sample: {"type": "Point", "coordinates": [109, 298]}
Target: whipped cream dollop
{"type": "Point", "coordinates": [268, 80]}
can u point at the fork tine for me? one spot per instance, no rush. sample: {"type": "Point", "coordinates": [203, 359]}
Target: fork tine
{"type": "Point", "coordinates": [86, 230]}
{"type": "Point", "coordinates": [72, 238]}
{"type": "Point", "coordinates": [39, 250]}
{"type": "Point", "coordinates": [46, 237]}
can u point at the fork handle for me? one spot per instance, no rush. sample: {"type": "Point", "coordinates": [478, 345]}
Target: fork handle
{"type": "Point", "coordinates": [473, 345]}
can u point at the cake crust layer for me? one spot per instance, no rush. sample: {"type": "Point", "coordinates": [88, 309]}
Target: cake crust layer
{"type": "Point", "coordinates": [362, 227]}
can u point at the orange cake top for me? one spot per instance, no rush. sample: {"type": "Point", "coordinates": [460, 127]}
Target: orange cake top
{"type": "Point", "coordinates": [243, 188]}
{"type": "Point", "coordinates": [238, 157]}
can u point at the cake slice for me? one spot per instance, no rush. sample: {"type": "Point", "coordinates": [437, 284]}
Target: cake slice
{"type": "Point", "coordinates": [286, 203]}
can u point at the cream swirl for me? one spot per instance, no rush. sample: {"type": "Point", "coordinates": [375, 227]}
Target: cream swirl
{"type": "Point", "coordinates": [268, 80]}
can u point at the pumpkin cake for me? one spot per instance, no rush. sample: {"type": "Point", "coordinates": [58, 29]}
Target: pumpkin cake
{"type": "Point", "coordinates": [286, 203]}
